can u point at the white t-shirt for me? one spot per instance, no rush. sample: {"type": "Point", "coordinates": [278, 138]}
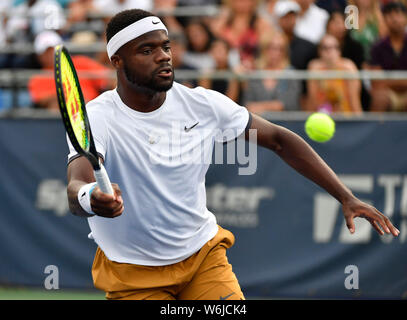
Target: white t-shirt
{"type": "Point", "coordinates": [311, 25]}
{"type": "Point", "coordinates": [159, 160]}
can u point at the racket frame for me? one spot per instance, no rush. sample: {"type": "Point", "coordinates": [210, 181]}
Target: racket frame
{"type": "Point", "coordinates": [101, 176]}
{"type": "Point", "coordinates": [92, 155]}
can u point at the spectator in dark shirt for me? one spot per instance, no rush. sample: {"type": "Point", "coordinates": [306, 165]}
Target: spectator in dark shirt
{"type": "Point", "coordinates": [370, 24]}
{"type": "Point", "coordinates": [390, 53]}
{"type": "Point", "coordinates": [332, 5]}
{"type": "Point", "coordinates": [301, 51]}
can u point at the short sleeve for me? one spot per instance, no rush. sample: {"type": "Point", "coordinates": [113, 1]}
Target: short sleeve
{"type": "Point", "coordinates": [99, 132]}
{"type": "Point", "coordinates": [232, 119]}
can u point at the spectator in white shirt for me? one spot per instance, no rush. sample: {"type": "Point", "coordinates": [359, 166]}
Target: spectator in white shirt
{"type": "Point", "coordinates": [111, 7]}
{"type": "Point", "coordinates": [311, 22]}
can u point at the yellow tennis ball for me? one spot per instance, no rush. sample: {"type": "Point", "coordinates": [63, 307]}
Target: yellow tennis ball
{"type": "Point", "coordinates": [320, 127]}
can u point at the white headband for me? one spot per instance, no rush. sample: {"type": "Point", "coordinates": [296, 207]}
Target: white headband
{"type": "Point", "coordinates": [133, 31]}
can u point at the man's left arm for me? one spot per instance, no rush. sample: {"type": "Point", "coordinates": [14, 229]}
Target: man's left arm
{"type": "Point", "coordinates": [299, 155]}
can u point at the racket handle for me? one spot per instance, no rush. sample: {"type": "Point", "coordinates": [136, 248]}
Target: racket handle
{"type": "Point", "coordinates": [103, 180]}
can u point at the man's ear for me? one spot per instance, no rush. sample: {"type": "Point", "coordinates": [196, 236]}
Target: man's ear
{"type": "Point", "coordinates": [116, 61]}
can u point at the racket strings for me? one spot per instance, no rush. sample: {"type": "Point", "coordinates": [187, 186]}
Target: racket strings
{"type": "Point", "coordinates": [73, 103]}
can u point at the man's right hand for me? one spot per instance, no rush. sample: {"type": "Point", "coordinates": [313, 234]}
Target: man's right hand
{"type": "Point", "coordinates": [106, 205]}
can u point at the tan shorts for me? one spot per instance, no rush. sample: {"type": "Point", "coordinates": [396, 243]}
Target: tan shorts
{"type": "Point", "coordinates": [206, 275]}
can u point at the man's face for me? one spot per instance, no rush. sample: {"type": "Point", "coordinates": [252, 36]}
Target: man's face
{"type": "Point", "coordinates": [146, 62]}
{"type": "Point", "coordinates": [46, 58]}
{"type": "Point", "coordinates": [287, 22]}
{"type": "Point", "coordinates": [396, 21]}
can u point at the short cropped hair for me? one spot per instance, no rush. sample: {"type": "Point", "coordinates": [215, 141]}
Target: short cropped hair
{"type": "Point", "coordinates": [124, 19]}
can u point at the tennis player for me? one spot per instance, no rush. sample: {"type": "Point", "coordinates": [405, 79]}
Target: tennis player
{"type": "Point", "coordinates": [162, 242]}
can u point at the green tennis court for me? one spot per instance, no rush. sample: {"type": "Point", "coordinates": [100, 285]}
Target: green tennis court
{"type": "Point", "coordinates": [24, 293]}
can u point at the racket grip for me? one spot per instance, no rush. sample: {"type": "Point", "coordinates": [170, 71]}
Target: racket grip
{"type": "Point", "coordinates": [103, 180]}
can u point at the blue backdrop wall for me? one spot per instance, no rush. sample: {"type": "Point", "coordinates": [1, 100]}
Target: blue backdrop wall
{"type": "Point", "coordinates": [291, 240]}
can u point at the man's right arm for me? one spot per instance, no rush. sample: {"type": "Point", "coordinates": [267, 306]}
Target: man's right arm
{"type": "Point", "coordinates": [80, 172]}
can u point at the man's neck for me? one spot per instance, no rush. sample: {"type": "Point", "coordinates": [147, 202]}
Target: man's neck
{"type": "Point", "coordinates": [397, 36]}
{"type": "Point", "coordinates": [289, 35]}
{"type": "Point", "coordinates": [141, 100]}
{"type": "Point", "coordinates": [304, 9]}
{"type": "Point", "coordinates": [397, 40]}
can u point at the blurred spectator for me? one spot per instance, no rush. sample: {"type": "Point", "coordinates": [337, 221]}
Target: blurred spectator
{"type": "Point", "coordinates": [178, 50]}
{"type": "Point", "coordinates": [64, 3]}
{"type": "Point", "coordinates": [311, 22]}
{"type": "Point", "coordinates": [390, 53]}
{"type": "Point", "coordinates": [42, 86]}
{"type": "Point", "coordinates": [199, 40]}
{"type": "Point", "coordinates": [111, 7]}
{"type": "Point", "coordinates": [241, 26]}
{"type": "Point", "coordinates": [350, 48]}
{"type": "Point", "coordinates": [219, 51]}
{"type": "Point", "coordinates": [206, 9]}
{"type": "Point", "coordinates": [266, 9]}
{"type": "Point", "coordinates": [85, 41]}
{"type": "Point", "coordinates": [339, 95]}
{"type": "Point", "coordinates": [5, 7]}
{"type": "Point", "coordinates": [84, 38]}
{"type": "Point", "coordinates": [371, 25]}
{"type": "Point", "coordinates": [301, 50]}
{"type": "Point", "coordinates": [384, 2]}
{"type": "Point", "coordinates": [31, 17]}
{"type": "Point", "coordinates": [168, 6]}
{"type": "Point", "coordinates": [78, 10]}
{"type": "Point", "coordinates": [269, 94]}
{"type": "Point", "coordinates": [185, 3]}
{"type": "Point", "coordinates": [101, 56]}
{"type": "Point", "coordinates": [24, 21]}
{"type": "Point", "coordinates": [332, 5]}
{"type": "Point", "coordinates": [79, 18]}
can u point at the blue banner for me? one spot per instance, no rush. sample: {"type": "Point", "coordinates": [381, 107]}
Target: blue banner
{"type": "Point", "coordinates": [291, 239]}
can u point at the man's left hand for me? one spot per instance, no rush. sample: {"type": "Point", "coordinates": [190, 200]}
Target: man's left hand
{"type": "Point", "coordinates": [355, 208]}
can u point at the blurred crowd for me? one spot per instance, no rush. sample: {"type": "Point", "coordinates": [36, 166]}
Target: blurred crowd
{"type": "Point", "coordinates": [243, 36]}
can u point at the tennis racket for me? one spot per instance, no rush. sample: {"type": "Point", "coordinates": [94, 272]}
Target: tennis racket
{"type": "Point", "coordinates": [74, 116]}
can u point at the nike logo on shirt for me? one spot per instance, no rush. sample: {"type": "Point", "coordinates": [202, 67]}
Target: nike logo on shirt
{"type": "Point", "coordinates": [189, 129]}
